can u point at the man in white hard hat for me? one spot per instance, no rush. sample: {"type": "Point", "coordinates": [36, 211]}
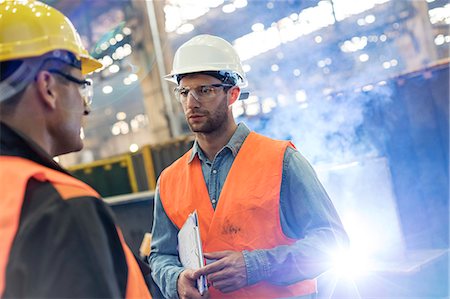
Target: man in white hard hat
{"type": "Point", "coordinates": [267, 225]}
{"type": "Point", "coordinates": [58, 239]}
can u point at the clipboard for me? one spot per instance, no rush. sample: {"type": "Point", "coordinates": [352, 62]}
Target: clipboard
{"type": "Point", "coordinates": [190, 248]}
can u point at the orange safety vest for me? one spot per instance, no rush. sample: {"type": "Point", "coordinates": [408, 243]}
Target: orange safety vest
{"type": "Point", "coordinates": [247, 215]}
{"type": "Point", "coordinates": [15, 173]}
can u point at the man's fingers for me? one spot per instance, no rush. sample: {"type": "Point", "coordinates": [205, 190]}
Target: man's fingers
{"type": "Point", "coordinates": [217, 276]}
{"type": "Point", "coordinates": [217, 254]}
{"type": "Point", "coordinates": [211, 268]}
{"type": "Point", "coordinates": [192, 294]}
{"type": "Point", "coordinates": [187, 286]}
{"type": "Point", "coordinates": [190, 274]}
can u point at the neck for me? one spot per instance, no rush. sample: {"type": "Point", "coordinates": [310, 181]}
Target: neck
{"type": "Point", "coordinates": [29, 120]}
{"type": "Point", "coordinates": [212, 143]}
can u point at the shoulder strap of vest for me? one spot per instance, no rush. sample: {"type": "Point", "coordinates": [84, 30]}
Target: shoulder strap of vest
{"type": "Point", "coordinates": [22, 170]}
{"type": "Point", "coordinates": [270, 141]}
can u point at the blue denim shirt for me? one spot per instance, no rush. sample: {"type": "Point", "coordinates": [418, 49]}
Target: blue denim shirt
{"type": "Point", "coordinates": [306, 214]}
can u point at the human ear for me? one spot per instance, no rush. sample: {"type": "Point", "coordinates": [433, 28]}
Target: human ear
{"type": "Point", "coordinates": [46, 88]}
{"type": "Point", "coordinates": [235, 91]}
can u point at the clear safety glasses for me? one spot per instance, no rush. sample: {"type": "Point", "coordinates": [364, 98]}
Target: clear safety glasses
{"type": "Point", "coordinates": [85, 86]}
{"type": "Point", "coordinates": [202, 93]}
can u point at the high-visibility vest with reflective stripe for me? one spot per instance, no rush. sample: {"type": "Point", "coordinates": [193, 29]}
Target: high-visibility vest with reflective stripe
{"type": "Point", "coordinates": [247, 215]}
{"type": "Point", "coordinates": [15, 172]}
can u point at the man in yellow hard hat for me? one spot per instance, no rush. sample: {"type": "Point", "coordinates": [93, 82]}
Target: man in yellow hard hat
{"type": "Point", "coordinates": [266, 223]}
{"type": "Point", "coordinates": [58, 239]}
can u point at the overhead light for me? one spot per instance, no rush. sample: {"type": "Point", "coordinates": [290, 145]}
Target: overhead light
{"type": "Point", "coordinates": [124, 127]}
{"type": "Point", "coordinates": [107, 60]}
{"type": "Point", "coordinates": [127, 81]}
{"type": "Point", "coordinates": [228, 8]}
{"type": "Point", "coordinates": [104, 46]}
{"type": "Point", "coordinates": [115, 130]}
{"type": "Point", "coordinates": [368, 87]}
{"type": "Point", "coordinates": [363, 57]}
{"type": "Point", "coordinates": [107, 89]}
{"type": "Point", "coordinates": [185, 28]}
{"type": "Point", "coordinates": [252, 106]}
{"type": "Point", "coordinates": [133, 77]}
{"type": "Point", "coordinates": [114, 68]}
{"type": "Point", "coordinates": [134, 148]}
{"type": "Point", "coordinates": [121, 115]}
{"type": "Point", "coordinates": [119, 37]}
{"type": "Point", "coordinates": [240, 3]}
{"type": "Point", "coordinates": [246, 68]}
{"type": "Point", "coordinates": [370, 19]}
{"type": "Point", "coordinates": [126, 31]}
{"type": "Point", "coordinates": [439, 40]}
{"type": "Point", "coordinates": [257, 27]}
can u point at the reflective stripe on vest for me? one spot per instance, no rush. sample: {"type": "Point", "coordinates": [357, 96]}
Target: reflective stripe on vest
{"type": "Point", "coordinates": [247, 215]}
{"type": "Point", "coordinates": [15, 173]}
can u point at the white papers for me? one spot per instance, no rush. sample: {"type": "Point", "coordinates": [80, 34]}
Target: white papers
{"type": "Point", "coordinates": [190, 248]}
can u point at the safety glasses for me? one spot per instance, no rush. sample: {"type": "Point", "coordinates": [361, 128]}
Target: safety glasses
{"type": "Point", "coordinates": [202, 93]}
{"type": "Point", "coordinates": [85, 86]}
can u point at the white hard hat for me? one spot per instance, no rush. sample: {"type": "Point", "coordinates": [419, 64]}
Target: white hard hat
{"type": "Point", "coordinates": [205, 53]}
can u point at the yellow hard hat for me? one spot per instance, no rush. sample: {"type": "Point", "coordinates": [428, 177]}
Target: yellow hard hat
{"type": "Point", "coordinates": [32, 28]}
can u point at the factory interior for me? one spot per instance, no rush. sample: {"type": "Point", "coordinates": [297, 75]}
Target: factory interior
{"type": "Point", "coordinates": [360, 87]}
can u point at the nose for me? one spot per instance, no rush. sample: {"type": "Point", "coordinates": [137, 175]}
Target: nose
{"type": "Point", "coordinates": [191, 100]}
{"type": "Point", "coordinates": [87, 109]}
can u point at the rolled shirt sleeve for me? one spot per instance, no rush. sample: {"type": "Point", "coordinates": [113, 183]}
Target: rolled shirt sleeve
{"type": "Point", "coordinates": [163, 259]}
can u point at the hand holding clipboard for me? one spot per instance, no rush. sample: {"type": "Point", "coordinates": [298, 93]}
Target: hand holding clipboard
{"type": "Point", "coordinates": [190, 248]}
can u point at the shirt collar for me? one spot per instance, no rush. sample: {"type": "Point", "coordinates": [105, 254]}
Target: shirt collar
{"type": "Point", "coordinates": [234, 144]}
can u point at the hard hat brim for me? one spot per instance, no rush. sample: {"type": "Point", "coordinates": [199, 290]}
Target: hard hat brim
{"type": "Point", "coordinates": [89, 64]}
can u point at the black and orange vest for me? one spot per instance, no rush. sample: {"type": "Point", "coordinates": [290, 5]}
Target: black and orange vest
{"type": "Point", "coordinates": [15, 173]}
{"type": "Point", "coordinates": [247, 215]}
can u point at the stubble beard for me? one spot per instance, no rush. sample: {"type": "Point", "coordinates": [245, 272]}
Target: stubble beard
{"type": "Point", "coordinates": [213, 121]}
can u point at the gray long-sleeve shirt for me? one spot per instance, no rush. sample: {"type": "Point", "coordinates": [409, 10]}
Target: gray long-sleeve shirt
{"type": "Point", "coordinates": [306, 214]}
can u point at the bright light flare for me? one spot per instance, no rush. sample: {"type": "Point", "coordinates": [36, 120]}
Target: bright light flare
{"type": "Point", "coordinates": [351, 264]}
